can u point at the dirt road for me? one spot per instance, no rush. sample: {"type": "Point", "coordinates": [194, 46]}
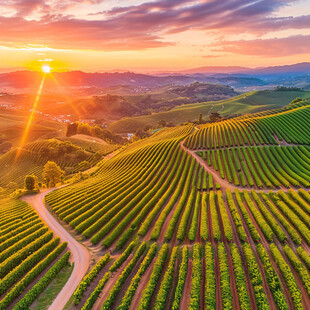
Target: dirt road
{"type": "Point", "coordinates": [80, 255]}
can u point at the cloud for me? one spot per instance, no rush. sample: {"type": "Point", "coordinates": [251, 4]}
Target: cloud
{"type": "Point", "coordinates": [67, 33]}
{"type": "Point", "coordinates": [143, 26]}
{"type": "Point", "coordinates": [27, 7]}
{"type": "Point", "coordinates": [268, 48]}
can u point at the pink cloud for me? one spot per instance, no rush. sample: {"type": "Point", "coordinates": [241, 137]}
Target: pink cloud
{"type": "Point", "coordinates": [268, 48]}
{"type": "Point", "coordinates": [141, 26]}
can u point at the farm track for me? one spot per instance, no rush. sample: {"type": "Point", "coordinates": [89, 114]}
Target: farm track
{"type": "Point", "coordinates": [80, 254]}
{"type": "Point", "coordinates": [223, 182]}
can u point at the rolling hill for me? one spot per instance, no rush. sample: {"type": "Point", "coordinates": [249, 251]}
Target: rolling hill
{"type": "Point", "coordinates": [210, 216]}
{"type": "Point", "coordinates": [246, 103]}
{"type": "Point", "coordinates": [199, 217]}
{"type": "Point", "coordinates": [68, 153]}
{"type": "Point", "coordinates": [14, 122]}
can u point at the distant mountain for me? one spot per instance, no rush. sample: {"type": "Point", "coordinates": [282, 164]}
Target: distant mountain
{"type": "Point", "coordinates": [215, 69]}
{"type": "Point", "coordinates": [79, 79]}
{"type": "Point", "coordinates": [241, 78]}
{"type": "Point", "coordinates": [302, 68]}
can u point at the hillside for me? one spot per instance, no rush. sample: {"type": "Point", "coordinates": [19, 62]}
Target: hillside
{"type": "Point", "coordinates": [68, 153]}
{"type": "Point", "coordinates": [246, 103]}
{"type": "Point", "coordinates": [31, 255]}
{"type": "Point", "coordinates": [13, 124]}
{"type": "Point", "coordinates": [199, 216]}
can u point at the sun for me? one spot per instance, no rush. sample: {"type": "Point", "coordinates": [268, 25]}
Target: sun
{"type": "Point", "coordinates": [46, 69]}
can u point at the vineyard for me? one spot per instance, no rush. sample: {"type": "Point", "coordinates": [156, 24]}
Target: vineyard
{"type": "Point", "coordinates": [209, 217]}
{"type": "Point", "coordinates": [17, 163]}
{"type": "Point", "coordinates": [214, 218]}
{"type": "Point", "coordinates": [30, 256]}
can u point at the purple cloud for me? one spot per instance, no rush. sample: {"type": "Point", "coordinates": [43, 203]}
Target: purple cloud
{"type": "Point", "coordinates": [141, 26]}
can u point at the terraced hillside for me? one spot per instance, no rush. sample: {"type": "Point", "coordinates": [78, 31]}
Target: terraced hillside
{"type": "Point", "coordinates": [251, 102]}
{"type": "Point", "coordinates": [215, 217]}
{"type": "Point", "coordinates": [30, 255]}
{"type": "Point", "coordinates": [30, 159]}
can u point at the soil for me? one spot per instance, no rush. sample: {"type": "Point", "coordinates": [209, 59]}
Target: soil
{"type": "Point", "coordinates": [110, 283]}
{"type": "Point", "coordinates": [142, 285]}
{"type": "Point", "coordinates": [187, 287]}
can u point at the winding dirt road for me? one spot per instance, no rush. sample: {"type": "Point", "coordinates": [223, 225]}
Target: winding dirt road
{"type": "Point", "coordinates": [80, 255]}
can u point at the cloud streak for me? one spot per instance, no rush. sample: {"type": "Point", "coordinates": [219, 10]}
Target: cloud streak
{"type": "Point", "coordinates": [144, 26]}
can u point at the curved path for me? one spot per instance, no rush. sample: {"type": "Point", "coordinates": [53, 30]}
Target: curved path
{"type": "Point", "coordinates": [224, 182]}
{"type": "Point", "coordinates": [81, 255]}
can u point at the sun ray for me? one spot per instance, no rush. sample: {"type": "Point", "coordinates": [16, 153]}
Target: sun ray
{"type": "Point", "coordinates": [33, 111]}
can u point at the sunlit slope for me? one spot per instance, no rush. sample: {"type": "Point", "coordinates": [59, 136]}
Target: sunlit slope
{"type": "Point", "coordinates": [91, 144]}
{"type": "Point", "coordinates": [184, 233]}
{"type": "Point", "coordinates": [30, 159]}
{"type": "Point", "coordinates": [287, 126]}
{"type": "Point", "coordinates": [126, 188]}
{"type": "Point", "coordinates": [246, 103]}
{"type": "Point", "coordinates": [13, 124]}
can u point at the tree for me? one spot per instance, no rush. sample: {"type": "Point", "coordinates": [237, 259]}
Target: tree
{"type": "Point", "coordinates": [200, 119]}
{"type": "Point", "coordinates": [72, 129]}
{"type": "Point", "coordinates": [214, 116]}
{"type": "Point", "coordinates": [52, 173]}
{"type": "Point", "coordinates": [30, 182]}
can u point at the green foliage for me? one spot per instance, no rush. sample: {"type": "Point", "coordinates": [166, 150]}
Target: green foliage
{"type": "Point", "coordinates": [181, 279]}
{"type": "Point", "coordinates": [210, 287]}
{"type": "Point", "coordinates": [166, 283]}
{"type": "Point", "coordinates": [52, 174]}
{"type": "Point", "coordinates": [272, 278]}
{"type": "Point", "coordinates": [31, 182]}
{"type": "Point", "coordinates": [194, 302]}
{"type": "Point", "coordinates": [224, 277]}
{"type": "Point", "coordinates": [255, 277]}
{"type": "Point", "coordinates": [243, 296]}
{"type": "Point", "coordinates": [78, 293]}
{"type": "Point", "coordinates": [38, 288]}
{"type": "Point", "coordinates": [288, 276]}
{"type": "Point", "coordinates": [31, 276]}
{"type": "Point", "coordinates": [122, 278]}
{"type": "Point", "coordinates": [150, 287]}
{"type": "Point", "coordinates": [126, 300]}
{"type": "Point", "coordinates": [299, 267]}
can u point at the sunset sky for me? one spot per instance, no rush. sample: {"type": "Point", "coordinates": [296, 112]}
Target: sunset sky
{"type": "Point", "coordinates": [101, 35]}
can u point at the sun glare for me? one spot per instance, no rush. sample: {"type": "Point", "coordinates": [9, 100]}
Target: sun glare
{"type": "Point", "coordinates": [46, 69]}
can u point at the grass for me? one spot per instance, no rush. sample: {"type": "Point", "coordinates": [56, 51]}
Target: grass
{"type": "Point", "coordinates": [47, 297]}
{"type": "Point", "coordinates": [251, 102]}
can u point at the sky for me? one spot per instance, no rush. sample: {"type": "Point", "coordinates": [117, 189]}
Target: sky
{"type": "Point", "coordinates": [147, 36]}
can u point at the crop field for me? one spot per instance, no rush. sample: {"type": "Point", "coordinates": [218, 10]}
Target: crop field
{"type": "Point", "coordinates": [17, 163]}
{"type": "Point", "coordinates": [245, 103]}
{"type": "Point", "coordinates": [30, 255]}
{"type": "Point", "coordinates": [215, 217]}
